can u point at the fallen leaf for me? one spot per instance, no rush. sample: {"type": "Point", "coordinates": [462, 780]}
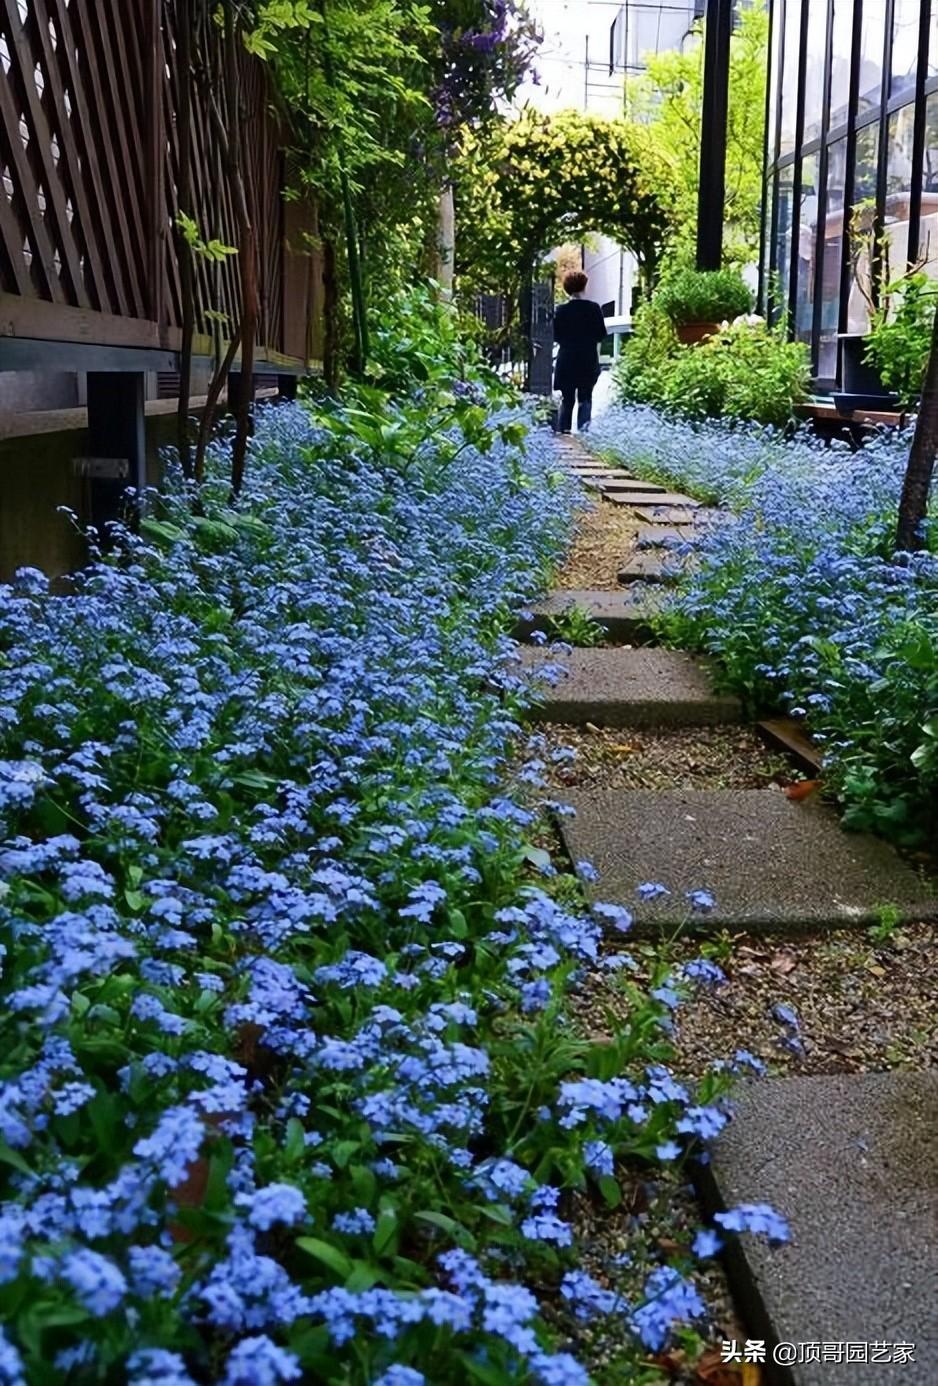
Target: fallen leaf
{"type": "Point", "coordinates": [783, 962]}
{"type": "Point", "coordinates": [712, 1371]}
{"type": "Point", "coordinates": [801, 790]}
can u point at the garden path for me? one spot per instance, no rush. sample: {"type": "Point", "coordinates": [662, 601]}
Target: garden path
{"type": "Point", "coordinates": [850, 1160]}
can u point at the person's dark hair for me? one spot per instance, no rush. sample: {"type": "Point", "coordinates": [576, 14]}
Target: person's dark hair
{"type": "Point", "coordinates": [575, 281]}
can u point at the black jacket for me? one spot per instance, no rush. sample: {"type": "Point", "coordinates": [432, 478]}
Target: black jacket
{"type": "Point", "coordinates": [579, 327]}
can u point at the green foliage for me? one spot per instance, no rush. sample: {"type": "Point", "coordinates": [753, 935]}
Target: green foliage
{"type": "Point", "coordinates": [211, 249]}
{"type": "Point", "coordinates": [667, 98]}
{"type": "Point", "coordinates": [900, 339]}
{"type": "Point", "coordinates": [691, 295]}
{"type": "Point", "coordinates": [538, 181]}
{"type": "Point", "coordinates": [745, 371]}
{"type": "Point", "coordinates": [577, 627]}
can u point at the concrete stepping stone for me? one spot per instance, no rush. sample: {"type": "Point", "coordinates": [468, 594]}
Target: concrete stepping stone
{"type": "Point", "coordinates": [630, 688]}
{"type": "Point", "coordinates": [655, 565]}
{"type": "Point", "coordinates": [669, 515]}
{"type": "Point", "coordinates": [769, 862]}
{"type": "Point", "coordinates": [624, 616]}
{"type": "Point", "coordinates": [627, 484]}
{"type": "Point", "coordinates": [851, 1161]}
{"type": "Point", "coordinates": [662, 537]}
{"type": "Point", "coordinates": [636, 496]}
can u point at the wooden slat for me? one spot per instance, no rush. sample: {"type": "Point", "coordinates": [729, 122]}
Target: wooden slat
{"type": "Point", "coordinates": [74, 186]}
{"type": "Point", "coordinates": [31, 222]}
{"type": "Point", "coordinates": [114, 159]}
{"type": "Point", "coordinates": [41, 143]}
{"type": "Point", "coordinates": [91, 167]}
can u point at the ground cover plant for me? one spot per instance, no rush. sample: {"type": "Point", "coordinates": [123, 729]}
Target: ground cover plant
{"type": "Point", "coordinates": [287, 1086]}
{"type": "Point", "coordinates": [800, 596]}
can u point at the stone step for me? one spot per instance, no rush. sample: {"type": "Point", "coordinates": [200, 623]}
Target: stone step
{"type": "Point", "coordinates": [851, 1161]}
{"type": "Point", "coordinates": [637, 496]}
{"type": "Point", "coordinates": [627, 485]}
{"type": "Point", "coordinates": [655, 565]}
{"type": "Point", "coordinates": [658, 537]}
{"type": "Point", "coordinates": [769, 862]}
{"type": "Point", "coordinates": [654, 510]}
{"type": "Point", "coordinates": [630, 688]}
{"type": "Point", "coordinates": [624, 616]}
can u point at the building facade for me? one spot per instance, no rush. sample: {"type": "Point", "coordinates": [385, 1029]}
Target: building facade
{"type": "Point", "coordinates": [851, 194]}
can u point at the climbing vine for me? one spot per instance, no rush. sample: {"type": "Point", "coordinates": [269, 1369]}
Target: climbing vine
{"type": "Point", "coordinates": [541, 180]}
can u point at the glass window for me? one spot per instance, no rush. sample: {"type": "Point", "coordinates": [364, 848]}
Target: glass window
{"type": "Point", "coordinates": [767, 248]}
{"type": "Point", "coordinates": [815, 59]}
{"type": "Point", "coordinates": [774, 78]}
{"type": "Point", "coordinates": [904, 46]}
{"type": "Point", "coordinates": [807, 249]}
{"type": "Point", "coordinates": [790, 76]}
{"type": "Point", "coordinates": [833, 259]}
{"type": "Point", "coordinates": [928, 225]}
{"type": "Point", "coordinates": [782, 250]}
{"type": "Point", "coordinates": [872, 42]}
{"type": "Point", "coordinates": [861, 227]}
{"type": "Point", "coordinates": [841, 53]}
{"type": "Point", "coordinates": [898, 187]}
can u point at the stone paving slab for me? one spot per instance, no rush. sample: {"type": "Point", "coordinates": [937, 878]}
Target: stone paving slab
{"type": "Point", "coordinates": [663, 536]}
{"type": "Point", "coordinates": [624, 616]}
{"type": "Point", "coordinates": [851, 1161]}
{"type": "Point", "coordinates": [627, 484]}
{"type": "Point", "coordinates": [654, 565]}
{"type": "Point", "coordinates": [770, 862]}
{"type": "Point", "coordinates": [631, 688]}
{"type": "Point", "coordinates": [655, 514]}
{"type": "Point", "coordinates": [636, 496]}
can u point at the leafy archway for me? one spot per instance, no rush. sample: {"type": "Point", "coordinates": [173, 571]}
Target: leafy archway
{"type": "Point", "coordinates": [532, 183]}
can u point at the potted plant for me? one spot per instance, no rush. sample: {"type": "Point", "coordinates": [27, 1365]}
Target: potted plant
{"type": "Point", "coordinates": [698, 301]}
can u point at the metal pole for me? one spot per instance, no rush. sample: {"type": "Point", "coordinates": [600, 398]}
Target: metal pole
{"type": "Point", "coordinates": [712, 184]}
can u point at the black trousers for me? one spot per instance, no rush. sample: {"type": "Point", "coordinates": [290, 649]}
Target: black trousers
{"type": "Point", "coordinates": [582, 395]}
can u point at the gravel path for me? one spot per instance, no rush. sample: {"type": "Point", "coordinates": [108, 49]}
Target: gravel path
{"type": "Point", "coordinates": [605, 536]}
{"type": "Point", "coordinates": [687, 758]}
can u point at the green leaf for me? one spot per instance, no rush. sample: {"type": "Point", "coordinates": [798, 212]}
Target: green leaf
{"type": "Point", "coordinates": [609, 1188]}
{"type": "Point", "coordinates": [386, 1231]}
{"type": "Point", "coordinates": [295, 1144]}
{"type": "Point", "coordinates": [12, 1157]}
{"type": "Point", "coordinates": [450, 1226]}
{"type": "Point", "coordinates": [328, 1254]}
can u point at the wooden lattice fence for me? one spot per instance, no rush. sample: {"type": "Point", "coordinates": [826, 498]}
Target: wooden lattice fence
{"type": "Point", "coordinates": [89, 167]}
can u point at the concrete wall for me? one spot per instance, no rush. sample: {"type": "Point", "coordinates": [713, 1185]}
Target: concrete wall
{"type": "Point", "coordinates": [36, 477]}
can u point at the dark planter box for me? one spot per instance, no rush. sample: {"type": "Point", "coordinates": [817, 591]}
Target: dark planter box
{"type": "Point", "coordinates": [857, 376]}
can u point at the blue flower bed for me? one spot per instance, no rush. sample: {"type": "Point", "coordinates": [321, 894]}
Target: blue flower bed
{"type": "Point", "coordinates": [287, 1087]}
{"type": "Point", "coordinates": [803, 600]}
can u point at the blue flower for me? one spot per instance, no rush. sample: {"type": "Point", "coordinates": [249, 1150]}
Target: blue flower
{"type": "Point", "coordinates": [652, 890]}
{"type": "Point", "coordinates": [706, 1243]}
{"type": "Point", "coordinates": [358, 1222]}
{"type": "Point", "coordinates": [273, 1204]}
{"type": "Point", "coordinates": [755, 1217]}
{"type": "Point", "coordinates": [258, 1361]}
{"type": "Point", "coordinates": [98, 1284]}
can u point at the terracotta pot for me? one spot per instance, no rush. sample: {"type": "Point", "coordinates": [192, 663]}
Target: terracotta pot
{"type": "Point", "coordinates": [691, 332]}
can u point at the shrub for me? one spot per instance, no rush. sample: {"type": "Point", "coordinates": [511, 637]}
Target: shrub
{"type": "Point", "coordinates": [692, 295]}
{"type": "Point", "coordinates": [900, 339]}
{"type": "Point", "coordinates": [745, 371]}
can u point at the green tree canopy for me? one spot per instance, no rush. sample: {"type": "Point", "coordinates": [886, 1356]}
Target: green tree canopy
{"type": "Point", "coordinates": [535, 182]}
{"type": "Point", "coordinates": [667, 100]}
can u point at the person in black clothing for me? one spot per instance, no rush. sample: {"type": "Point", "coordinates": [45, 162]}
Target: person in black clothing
{"type": "Point", "coordinates": [579, 327]}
